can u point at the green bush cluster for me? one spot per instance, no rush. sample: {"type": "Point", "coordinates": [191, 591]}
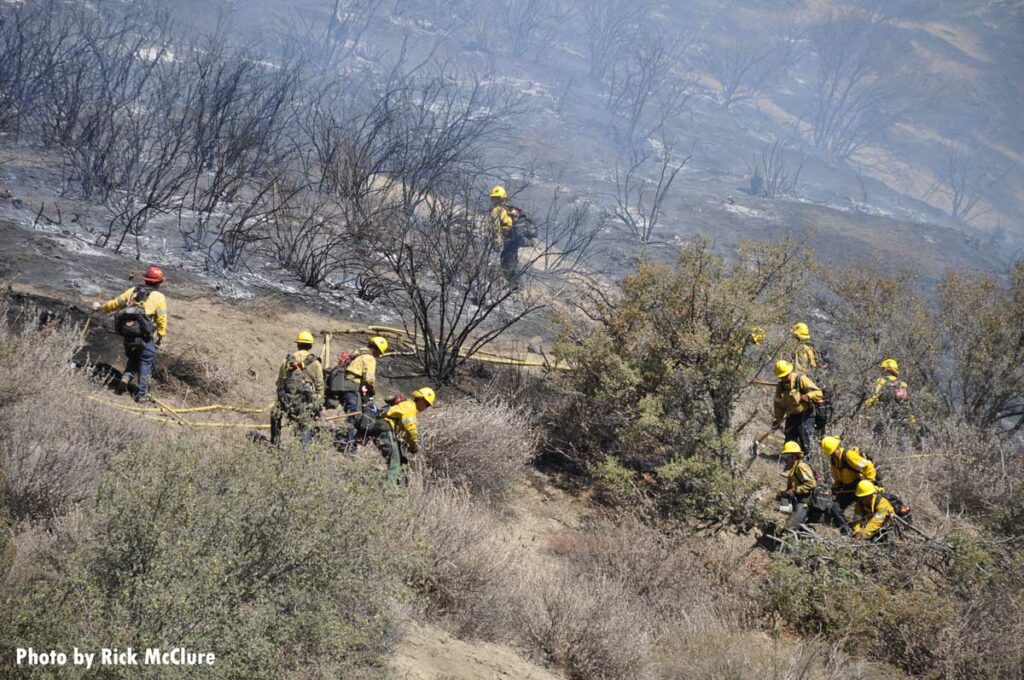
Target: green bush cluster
{"type": "Point", "coordinates": [278, 563]}
{"type": "Point", "coordinates": [923, 609]}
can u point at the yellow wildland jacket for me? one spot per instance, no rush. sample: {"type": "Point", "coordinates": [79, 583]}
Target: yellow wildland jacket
{"type": "Point", "coordinates": [501, 220]}
{"type": "Point", "coordinates": [872, 513]}
{"type": "Point", "coordinates": [804, 358]}
{"type": "Point", "coordinates": [788, 392]}
{"type": "Point", "coordinates": [362, 370]}
{"type": "Point", "coordinates": [801, 479]}
{"type": "Point", "coordinates": [402, 419]}
{"type": "Point", "coordinates": [314, 371]}
{"type": "Point", "coordinates": [849, 467]}
{"type": "Point", "coordinates": [883, 383]}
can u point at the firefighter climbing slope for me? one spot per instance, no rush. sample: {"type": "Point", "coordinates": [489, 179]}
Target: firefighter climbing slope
{"type": "Point", "coordinates": [300, 391]}
{"type": "Point", "coordinates": [141, 320]}
{"type": "Point", "coordinates": [512, 231]}
{"type": "Point", "coordinates": [793, 405]}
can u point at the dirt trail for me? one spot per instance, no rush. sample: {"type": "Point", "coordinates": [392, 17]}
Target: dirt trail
{"type": "Point", "coordinates": [429, 653]}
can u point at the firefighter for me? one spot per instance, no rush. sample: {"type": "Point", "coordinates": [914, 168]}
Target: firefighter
{"type": "Point", "coordinates": [504, 234]}
{"type": "Point", "coordinates": [873, 512]}
{"type": "Point", "coordinates": [398, 432]}
{"type": "Point", "coordinates": [793, 405]}
{"type": "Point", "coordinates": [300, 391]}
{"type": "Point", "coordinates": [360, 381]}
{"type": "Point", "coordinates": [848, 467]}
{"type": "Point", "coordinates": [804, 357]}
{"type": "Point", "coordinates": [889, 389]}
{"type": "Point", "coordinates": [141, 321]}
{"type": "Point", "coordinates": [800, 484]}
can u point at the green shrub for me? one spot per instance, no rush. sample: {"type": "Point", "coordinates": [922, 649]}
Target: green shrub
{"type": "Point", "coordinates": [55, 444]}
{"type": "Point", "coordinates": [280, 563]}
{"type": "Point", "coordinates": [614, 483]}
{"type": "Point", "coordinates": [671, 356]}
{"type": "Point", "coordinates": [704, 489]}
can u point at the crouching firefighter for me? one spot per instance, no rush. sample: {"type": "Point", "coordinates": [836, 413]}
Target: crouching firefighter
{"type": "Point", "coordinates": [300, 391]}
{"type": "Point", "coordinates": [874, 512]}
{"type": "Point", "coordinates": [801, 488]}
{"type": "Point", "coordinates": [849, 468]}
{"type": "Point", "coordinates": [397, 433]}
{"type": "Point", "coordinates": [141, 320]}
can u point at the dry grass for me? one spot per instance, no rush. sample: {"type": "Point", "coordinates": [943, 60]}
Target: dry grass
{"type": "Point", "coordinates": [481, 447]}
{"type": "Point", "coordinates": [619, 590]}
{"type": "Point", "coordinates": [55, 445]}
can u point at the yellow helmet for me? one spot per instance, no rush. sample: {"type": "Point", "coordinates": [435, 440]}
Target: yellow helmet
{"type": "Point", "coordinates": [801, 331]}
{"type": "Point", "coordinates": [865, 488]}
{"type": "Point", "coordinates": [757, 335]}
{"type": "Point", "coordinates": [891, 366]}
{"type": "Point", "coordinates": [499, 192]}
{"type": "Point", "coordinates": [829, 445]}
{"type": "Point", "coordinates": [426, 394]}
{"type": "Point", "coordinates": [305, 338]}
{"type": "Point", "coordinates": [792, 447]}
{"type": "Point", "coordinates": [783, 368]}
{"type": "Point", "coordinates": [380, 343]}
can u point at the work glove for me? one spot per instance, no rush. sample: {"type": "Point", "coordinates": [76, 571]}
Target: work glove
{"type": "Point", "coordinates": [414, 449]}
{"type": "Point", "coordinates": [159, 340]}
{"type": "Point", "coordinates": [96, 306]}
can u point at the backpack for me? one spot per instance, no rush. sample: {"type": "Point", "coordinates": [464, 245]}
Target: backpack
{"type": "Point", "coordinates": [523, 229]}
{"type": "Point", "coordinates": [132, 323]}
{"type": "Point", "coordinates": [298, 391]}
{"type": "Point", "coordinates": [901, 507]}
{"type": "Point", "coordinates": [335, 377]}
{"type": "Point", "coordinates": [893, 391]}
{"type": "Point", "coordinates": [790, 399]}
{"type": "Point", "coordinates": [821, 498]}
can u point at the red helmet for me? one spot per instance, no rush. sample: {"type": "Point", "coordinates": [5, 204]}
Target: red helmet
{"type": "Point", "coordinates": [153, 275]}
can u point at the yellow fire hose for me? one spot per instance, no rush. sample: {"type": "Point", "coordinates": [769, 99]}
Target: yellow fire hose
{"type": "Point", "coordinates": [484, 356]}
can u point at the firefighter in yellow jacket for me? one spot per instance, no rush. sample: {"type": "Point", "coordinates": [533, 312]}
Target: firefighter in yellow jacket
{"type": "Point", "coordinates": [849, 466]}
{"type": "Point", "coordinates": [891, 392]}
{"type": "Point", "coordinates": [793, 405]}
{"type": "Point", "coordinates": [360, 383]}
{"type": "Point", "coordinates": [800, 484]}
{"type": "Point", "coordinates": [400, 431]}
{"type": "Point", "coordinates": [141, 321]}
{"type": "Point", "coordinates": [504, 234]}
{"type": "Point", "coordinates": [873, 511]}
{"type": "Point", "coordinates": [805, 359]}
{"type": "Point", "coordinates": [300, 390]}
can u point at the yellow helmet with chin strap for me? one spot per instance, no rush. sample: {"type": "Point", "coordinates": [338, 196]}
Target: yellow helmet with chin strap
{"type": "Point", "coordinates": [782, 368]}
{"type": "Point", "coordinates": [801, 331]}
{"type": "Point", "coordinates": [380, 343]}
{"type": "Point", "coordinates": [305, 338]}
{"type": "Point", "coordinates": [891, 366]}
{"type": "Point", "coordinates": [426, 394]}
{"type": "Point", "coordinates": [499, 192]}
